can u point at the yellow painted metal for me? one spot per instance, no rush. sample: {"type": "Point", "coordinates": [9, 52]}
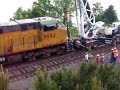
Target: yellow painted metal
{"type": "Point", "coordinates": [14, 42]}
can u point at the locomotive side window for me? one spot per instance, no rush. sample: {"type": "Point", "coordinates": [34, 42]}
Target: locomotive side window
{"type": "Point", "coordinates": [39, 25]}
{"type": "Point", "coordinates": [8, 28]}
{"type": "Point", "coordinates": [30, 26]}
{"type": "Point", "coordinates": [34, 26]}
{"type": "Point", "coordinates": [16, 27]}
{"type": "Point", "coordinates": [23, 27]}
{"type": "Point", "coordinates": [11, 28]}
{"type": "Point", "coordinates": [1, 30]}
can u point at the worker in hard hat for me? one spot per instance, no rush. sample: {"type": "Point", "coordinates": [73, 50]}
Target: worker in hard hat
{"type": "Point", "coordinates": [115, 54]}
{"type": "Point", "coordinates": [112, 55]}
{"type": "Point", "coordinates": [98, 58]}
{"type": "Point", "coordinates": [86, 56]}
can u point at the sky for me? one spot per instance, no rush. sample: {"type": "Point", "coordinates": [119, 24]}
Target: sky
{"type": "Point", "coordinates": [8, 7]}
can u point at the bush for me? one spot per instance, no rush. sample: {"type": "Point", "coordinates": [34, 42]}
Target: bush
{"type": "Point", "coordinates": [42, 82]}
{"type": "Point", "coordinates": [3, 79]}
{"type": "Point", "coordinates": [89, 76]}
{"type": "Point", "coordinates": [64, 78]}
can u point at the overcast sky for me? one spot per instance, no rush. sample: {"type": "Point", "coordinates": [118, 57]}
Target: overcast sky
{"type": "Point", "coordinates": [8, 7]}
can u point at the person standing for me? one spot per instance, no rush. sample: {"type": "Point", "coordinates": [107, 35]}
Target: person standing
{"type": "Point", "coordinates": [115, 55]}
{"type": "Point", "coordinates": [102, 58]}
{"type": "Point", "coordinates": [112, 56]}
{"type": "Point", "coordinates": [98, 58]}
{"type": "Point", "coordinates": [86, 57]}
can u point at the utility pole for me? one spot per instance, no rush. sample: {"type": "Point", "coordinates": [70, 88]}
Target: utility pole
{"type": "Point", "coordinates": [65, 21]}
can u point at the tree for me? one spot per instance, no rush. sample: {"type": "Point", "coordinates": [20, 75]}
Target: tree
{"type": "Point", "coordinates": [42, 82]}
{"type": "Point", "coordinates": [64, 78]}
{"type": "Point", "coordinates": [43, 8]}
{"type": "Point", "coordinates": [70, 5]}
{"type": "Point", "coordinates": [40, 8]}
{"type": "Point", "coordinates": [85, 72]}
{"type": "Point", "coordinates": [98, 11]}
{"type": "Point", "coordinates": [21, 14]}
{"type": "Point", "coordinates": [88, 76]}
{"type": "Point", "coordinates": [60, 4]}
{"type": "Point", "coordinates": [110, 15]}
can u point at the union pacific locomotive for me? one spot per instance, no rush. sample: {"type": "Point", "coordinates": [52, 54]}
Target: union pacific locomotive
{"type": "Point", "coordinates": [28, 39]}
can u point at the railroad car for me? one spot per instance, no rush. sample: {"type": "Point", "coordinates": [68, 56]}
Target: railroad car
{"type": "Point", "coordinates": [28, 39]}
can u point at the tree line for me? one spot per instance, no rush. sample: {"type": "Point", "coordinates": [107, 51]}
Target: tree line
{"type": "Point", "coordinates": [108, 15]}
{"type": "Point", "coordinates": [87, 76]}
{"type": "Point", "coordinates": [43, 8]}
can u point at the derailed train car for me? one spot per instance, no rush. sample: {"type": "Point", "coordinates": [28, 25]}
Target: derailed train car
{"type": "Point", "coordinates": [28, 39]}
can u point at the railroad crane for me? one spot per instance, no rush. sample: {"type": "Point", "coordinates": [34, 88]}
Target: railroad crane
{"type": "Point", "coordinates": [87, 27]}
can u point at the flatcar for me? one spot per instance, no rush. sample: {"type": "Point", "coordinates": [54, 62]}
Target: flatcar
{"type": "Point", "coordinates": [28, 39]}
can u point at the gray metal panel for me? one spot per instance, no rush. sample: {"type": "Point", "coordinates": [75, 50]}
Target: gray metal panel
{"type": "Point", "coordinates": [10, 23]}
{"type": "Point", "coordinates": [43, 18]}
{"type": "Point", "coordinates": [50, 22]}
{"type": "Point", "coordinates": [11, 28]}
{"type": "Point", "coordinates": [24, 21]}
{"type": "Point", "coordinates": [46, 20]}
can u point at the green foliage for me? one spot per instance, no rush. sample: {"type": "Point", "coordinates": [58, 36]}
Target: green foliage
{"type": "Point", "coordinates": [106, 74]}
{"type": "Point", "coordinates": [89, 76]}
{"type": "Point", "coordinates": [21, 14]}
{"type": "Point", "coordinates": [85, 73]}
{"type": "Point", "coordinates": [42, 83]}
{"type": "Point", "coordinates": [99, 18]}
{"type": "Point", "coordinates": [60, 4]}
{"type": "Point", "coordinates": [42, 8]}
{"type": "Point", "coordinates": [3, 79]}
{"type": "Point", "coordinates": [97, 9]}
{"type": "Point", "coordinates": [110, 15]}
{"type": "Point", "coordinates": [64, 78]}
{"type": "Point", "coordinates": [73, 30]}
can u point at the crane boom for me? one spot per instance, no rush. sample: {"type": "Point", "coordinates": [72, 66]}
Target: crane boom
{"type": "Point", "coordinates": [87, 27]}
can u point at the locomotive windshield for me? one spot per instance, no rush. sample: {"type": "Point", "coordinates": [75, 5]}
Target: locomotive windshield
{"type": "Point", "coordinates": [49, 27]}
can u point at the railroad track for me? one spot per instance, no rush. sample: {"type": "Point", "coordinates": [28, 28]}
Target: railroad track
{"type": "Point", "coordinates": [25, 70]}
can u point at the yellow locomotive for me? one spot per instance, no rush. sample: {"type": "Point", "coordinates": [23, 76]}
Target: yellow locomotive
{"type": "Point", "coordinates": [29, 38]}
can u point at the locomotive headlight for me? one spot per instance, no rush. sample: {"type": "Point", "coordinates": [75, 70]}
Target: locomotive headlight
{"type": "Point", "coordinates": [2, 59]}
